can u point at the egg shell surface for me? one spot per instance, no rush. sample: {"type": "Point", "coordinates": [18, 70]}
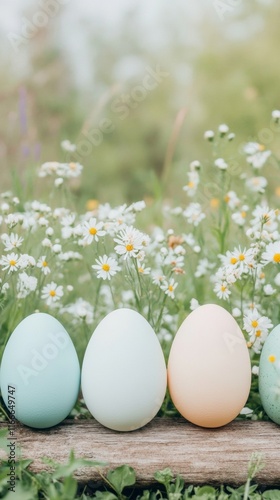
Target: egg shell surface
{"type": "Point", "coordinates": [269, 375]}
{"type": "Point", "coordinates": [41, 363]}
{"type": "Point", "coordinates": [124, 374]}
{"type": "Point", "coordinates": [209, 369]}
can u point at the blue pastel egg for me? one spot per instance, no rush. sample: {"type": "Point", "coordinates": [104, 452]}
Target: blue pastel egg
{"type": "Point", "coordinates": [269, 375]}
{"type": "Point", "coordinates": [40, 372]}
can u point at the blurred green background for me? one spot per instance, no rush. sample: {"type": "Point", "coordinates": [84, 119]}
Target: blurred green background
{"type": "Point", "coordinates": [83, 75]}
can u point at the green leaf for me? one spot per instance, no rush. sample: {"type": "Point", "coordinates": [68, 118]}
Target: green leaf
{"type": "Point", "coordinates": [70, 487]}
{"type": "Point", "coordinates": [4, 439]}
{"type": "Point", "coordinates": [121, 477]}
{"type": "Point", "coordinates": [164, 476]}
{"type": "Point", "coordinates": [21, 493]}
{"type": "Point", "coordinates": [72, 465]}
{"type": "Point", "coordinates": [105, 495]}
{"type": "Point", "coordinates": [271, 495]}
{"type": "Point", "coordinates": [206, 491]}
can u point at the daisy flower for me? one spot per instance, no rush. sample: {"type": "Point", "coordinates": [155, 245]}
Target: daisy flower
{"type": "Point", "coordinates": [92, 230]}
{"type": "Point", "coordinates": [257, 184]}
{"type": "Point", "coordinates": [52, 293]}
{"type": "Point", "coordinates": [106, 267]}
{"type": "Point", "coordinates": [244, 259]}
{"type": "Point", "coordinates": [232, 200]}
{"type": "Point", "coordinates": [194, 214]}
{"type": "Point", "coordinates": [169, 288]}
{"type": "Point", "coordinates": [221, 164]}
{"type": "Point", "coordinates": [222, 290]}
{"type": "Point", "coordinates": [191, 186]}
{"type": "Point", "coordinates": [240, 217]}
{"type": "Point", "coordinates": [10, 262]}
{"type": "Point", "coordinates": [272, 253]}
{"type": "Point", "coordinates": [130, 242]}
{"type": "Point", "coordinates": [43, 265]}
{"type": "Point", "coordinates": [25, 285]}
{"type": "Point", "coordinates": [257, 327]}
{"type": "Point", "coordinates": [11, 241]}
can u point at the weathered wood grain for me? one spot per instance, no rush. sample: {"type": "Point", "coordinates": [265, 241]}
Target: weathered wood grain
{"type": "Point", "coordinates": [199, 455]}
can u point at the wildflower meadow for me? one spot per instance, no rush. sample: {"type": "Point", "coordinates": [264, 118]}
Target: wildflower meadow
{"type": "Point", "coordinates": [221, 245]}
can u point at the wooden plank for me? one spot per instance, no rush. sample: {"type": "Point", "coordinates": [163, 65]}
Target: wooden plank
{"type": "Point", "coordinates": [211, 456]}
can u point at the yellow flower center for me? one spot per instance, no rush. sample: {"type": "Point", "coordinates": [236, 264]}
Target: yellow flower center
{"type": "Point", "coordinates": [261, 147]}
{"type": "Point", "coordinates": [214, 202]}
{"type": "Point", "coordinates": [13, 262]}
{"type": "Point", "coordinates": [140, 269]}
{"type": "Point", "coordinates": [262, 276]}
{"type": "Point", "coordinates": [227, 198]}
{"type": "Point", "coordinates": [277, 191]}
{"type": "Point", "coordinates": [129, 247]}
{"type": "Point", "coordinates": [272, 358]}
{"type": "Point", "coordinates": [92, 205]}
{"type": "Point", "coordinates": [233, 260]}
{"type": "Point", "coordinates": [243, 214]}
{"type": "Point", "coordinates": [276, 257]}
{"type": "Point", "coordinates": [44, 263]}
{"type": "Point", "coordinates": [223, 288]}
{"type": "Point", "coordinates": [92, 231]}
{"type": "Point", "coordinates": [170, 288]}
{"type": "Point", "coordinates": [254, 323]}
{"type": "Point", "coordinates": [106, 267]}
{"type": "Point", "coordinates": [191, 185]}
{"type": "Point", "coordinates": [258, 333]}
{"type": "Point", "coordinates": [73, 166]}
{"type": "Point", "coordinates": [241, 256]}
{"type": "Point", "coordinates": [52, 293]}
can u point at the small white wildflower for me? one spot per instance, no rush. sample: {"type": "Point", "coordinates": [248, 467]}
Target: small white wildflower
{"type": "Point", "coordinates": [222, 290]}
{"type": "Point", "coordinates": [25, 285]}
{"type": "Point", "coordinates": [232, 199]}
{"type": "Point", "coordinates": [11, 262]}
{"type": "Point", "coordinates": [221, 164]}
{"type": "Point", "coordinates": [231, 136]}
{"type": "Point", "coordinates": [194, 214]}
{"type": "Point", "coordinates": [169, 288]}
{"type": "Point", "coordinates": [240, 217]}
{"type": "Point", "coordinates": [276, 115]}
{"type": "Point", "coordinates": [236, 312]}
{"type": "Point", "coordinates": [223, 129]}
{"type": "Point", "coordinates": [255, 370]}
{"type": "Point", "coordinates": [272, 253]}
{"type": "Point", "coordinates": [58, 182]}
{"type": "Point", "coordinates": [195, 165]}
{"type": "Point", "coordinates": [11, 241]}
{"type": "Point", "coordinates": [43, 265]}
{"type": "Point", "coordinates": [277, 279]}
{"type": "Point", "coordinates": [46, 242]}
{"type": "Point", "coordinates": [129, 242]}
{"type": "Point", "coordinates": [56, 248]}
{"type": "Point", "coordinates": [209, 135]}
{"type": "Point", "coordinates": [257, 184]}
{"type": "Point", "coordinates": [194, 304]}
{"type": "Point", "coordinates": [106, 267]}
{"type": "Point", "coordinates": [52, 293]}
{"type": "Point", "coordinates": [268, 290]}
{"type": "Point", "coordinates": [66, 145]}
{"type": "Point", "coordinates": [246, 411]}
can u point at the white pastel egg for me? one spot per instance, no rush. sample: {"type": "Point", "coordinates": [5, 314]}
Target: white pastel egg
{"type": "Point", "coordinates": [124, 373]}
